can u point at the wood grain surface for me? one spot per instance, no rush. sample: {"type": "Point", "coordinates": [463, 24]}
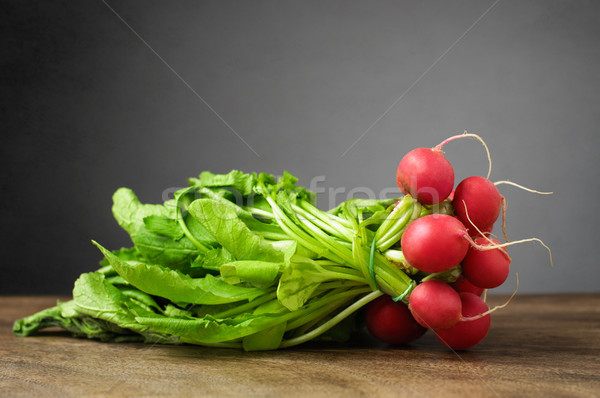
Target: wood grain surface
{"type": "Point", "coordinates": [539, 346]}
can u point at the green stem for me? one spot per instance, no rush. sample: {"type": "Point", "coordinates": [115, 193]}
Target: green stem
{"type": "Point", "coordinates": [246, 307]}
{"type": "Point", "coordinates": [327, 286]}
{"type": "Point", "coordinates": [430, 276]}
{"type": "Point", "coordinates": [300, 330]}
{"type": "Point", "coordinates": [260, 212]}
{"type": "Point", "coordinates": [343, 275]}
{"type": "Point", "coordinates": [398, 212]}
{"type": "Point", "coordinates": [312, 310]}
{"type": "Point", "coordinates": [332, 322]}
{"type": "Point", "coordinates": [328, 241]}
{"type": "Point", "coordinates": [346, 223]}
{"type": "Point", "coordinates": [389, 242]}
{"type": "Point", "coordinates": [324, 262]}
{"type": "Point", "coordinates": [182, 224]}
{"type": "Point", "coordinates": [408, 211]}
{"type": "Point", "coordinates": [314, 219]}
{"type": "Point", "coordinates": [292, 229]}
{"type": "Point", "coordinates": [343, 243]}
{"type": "Point", "coordinates": [314, 317]}
{"type": "Point", "coordinates": [272, 235]}
{"type": "Point", "coordinates": [344, 270]}
{"type": "Point", "coordinates": [342, 231]}
{"type": "Point", "coordinates": [392, 275]}
{"type": "Point", "coordinates": [359, 257]}
{"type": "Point", "coordinates": [394, 255]}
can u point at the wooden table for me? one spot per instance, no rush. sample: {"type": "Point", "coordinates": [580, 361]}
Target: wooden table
{"type": "Point", "coordinates": [539, 346]}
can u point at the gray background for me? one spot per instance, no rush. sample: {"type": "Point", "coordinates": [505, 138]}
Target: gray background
{"type": "Point", "coordinates": [87, 107]}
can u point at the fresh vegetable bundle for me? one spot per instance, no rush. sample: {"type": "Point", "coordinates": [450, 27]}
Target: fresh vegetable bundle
{"type": "Point", "coordinates": [248, 261]}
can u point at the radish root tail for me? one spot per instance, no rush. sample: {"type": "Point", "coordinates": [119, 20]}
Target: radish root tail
{"type": "Point", "coordinates": [506, 182]}
{"type": "Point", "coordinates": [493, 245]}
{"type": "Point", "coordinates": [469, 135]}
{"type": "Point", "coordinates": [480, 233]}
{"type": "Point", "coordinates": [496, 246]}
{"type": "Point", "coordinates": [504, 206]}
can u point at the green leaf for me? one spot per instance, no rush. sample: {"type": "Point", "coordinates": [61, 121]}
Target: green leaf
{"type": "Point", "coordinates": [65, 316]}
{"type": "Point", "coordinates": [266, 228]}
{"type": "Point", "coordinates": [232, 233]}
{"type": "Point", "coordinates": [142, 298]}
{"type": "Point", "coordinates": [241, 182]}
{"type": "Point", "coordinates": [299, 281]}
{"type": "Point", "coordinates": [287, 183]}
{"type": "Point", "coordinates": [130, 213]}
{"type": "Point", "coordinates": [43, 319]}
{"type": "Point", "coordinates": [176, 312]}
{"type": "Point", "coordinates": [211, 330]}
{"type": "Point", "coordinates": [177, 287]}
{"type": "Point", "coordinates": [155, 248]}
{"type": "Point", "coordinates": [163, 250]}
{"type": "Point", "coordinates": [124, 253]}
{"type": "Point", "coordinates": [198, 231]}
{"type": "Point", "coordinates": [95, 297]}
{"type": "Point", "coordinates": [213, 259]}
{"type": "Point", "coordinates": [291, 247]}
{"type": "Point", "coordinates": [257, 273]}
{"type": "Point", "coordinates": [165, 226]}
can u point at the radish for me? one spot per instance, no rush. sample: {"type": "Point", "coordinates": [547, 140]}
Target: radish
{"type": "Point", "coordinates": [392, 322]}
{"type": "Point", "coordinates": [467, 333]}
{"type": "Point", "coordinates": [435, 305]}
{"type": "Point", "coordinates": [462, 284]}
{"type": "Point", "coordinates": [480, 199]}
{"type": "Point", "coordinates": [486, 268]}
{"type": "Point", "coordinates": [434, 243]}
{"type": "Point", "coordinates": [426, 175]}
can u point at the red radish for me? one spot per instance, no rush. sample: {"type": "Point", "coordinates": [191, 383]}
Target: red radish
{"type": "Point", "coordinates": [435, 305]}
{"type": "Point", "coordinates": [462, 284]}
{"type": "Point", "coordinates": [486, 268]}
{"type": "Point", "coordinates": [392, 322]}
{"type": "Point", "coordinates": [483, 204]}
{"type": "Point", "coordinates": [425, 174]}
{"type": "Point", "coordinates": [466, 334]}
{"type": "Point", "coordinates": [434, 243]}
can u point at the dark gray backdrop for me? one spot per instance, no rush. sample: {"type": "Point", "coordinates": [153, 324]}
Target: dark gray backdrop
{"type": "Point", "coordinates": [89, 104]}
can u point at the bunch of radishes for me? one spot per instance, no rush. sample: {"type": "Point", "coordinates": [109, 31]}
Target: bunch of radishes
{"type": "Point", "coordinates": [436, 243]}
